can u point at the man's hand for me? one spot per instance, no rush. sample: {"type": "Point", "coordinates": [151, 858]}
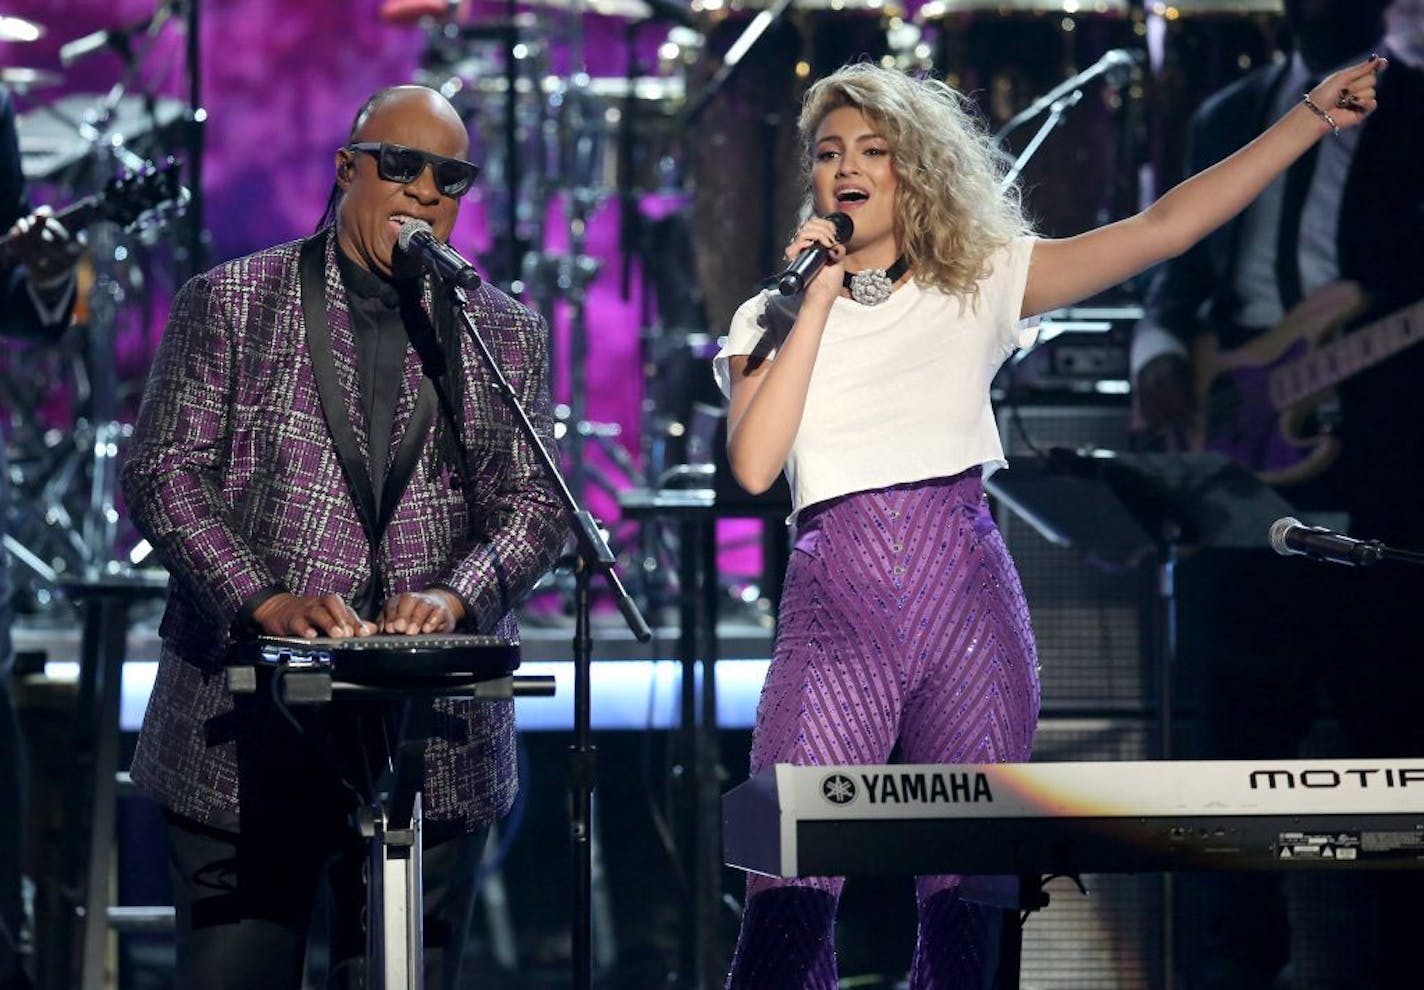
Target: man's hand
{"type": "Point", "coordinates": [42, 245]}
{"type": "Point", "coordinates": [1164, 393]}
{"type": "Point", "coordinates": [434, 610]}
{"type": "Point", "coordinates": [310, 616]}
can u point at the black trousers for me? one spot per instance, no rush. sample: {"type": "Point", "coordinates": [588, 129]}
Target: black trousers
{"type": "Point", "coordinates": [244, 903]}
{"type": "Point", "coordinates": [245, 889]}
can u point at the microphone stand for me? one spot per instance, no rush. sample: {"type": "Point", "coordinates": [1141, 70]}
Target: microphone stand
{"type": "Point", "coordinates": [1106, 67]}
{"type": "Point", "coordinates": [194, 137]}
{"type": "Point", "coordinates": [1401, 556]}
{"type": "Point", "coordinates": [1057, 102]}
{"type": "Point", "coordinates": [629, 223]}
{"type": "Point", "coordinates": [739, 49]}
{"type": "Point", "coordinates": [1375, 553]}
{"type": "Point", "coordinates": [592, 554]}
{"type": "Point", "coordinates": [1056, 112]}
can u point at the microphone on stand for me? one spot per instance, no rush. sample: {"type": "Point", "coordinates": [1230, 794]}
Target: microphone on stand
{"type": "Point", "coordinates": [119, 39]}
{"type": "Point", "coordinates": [417, 239]}
{"type": "Point", "coordinates": [1289, 536]}
{"type": "Point", "coordinates": [96, 41]}
{"type": "Point", "coordinates": [1115, 68]}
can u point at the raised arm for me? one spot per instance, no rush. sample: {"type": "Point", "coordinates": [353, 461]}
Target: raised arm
{"type": "Point", "coordinates": [1067, 270]}
{"type": "Point", "coordinates": [768, 397]}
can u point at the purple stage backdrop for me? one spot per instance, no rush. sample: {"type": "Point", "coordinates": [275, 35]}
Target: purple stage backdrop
{"type": "Point", "coordinates": [280, 82]}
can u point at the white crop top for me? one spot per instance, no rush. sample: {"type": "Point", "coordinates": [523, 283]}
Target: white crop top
{"type": "Point", "coordinates": [900, 391]}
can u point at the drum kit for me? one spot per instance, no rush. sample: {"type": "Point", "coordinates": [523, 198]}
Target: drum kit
{"type": "Point", "coordinates": [69, 405]}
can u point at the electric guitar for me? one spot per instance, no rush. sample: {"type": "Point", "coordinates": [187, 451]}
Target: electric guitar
{"type": "Point", "coordinates": [128, 200]}
{"type": "Point", "coordinates": [1267, 404]}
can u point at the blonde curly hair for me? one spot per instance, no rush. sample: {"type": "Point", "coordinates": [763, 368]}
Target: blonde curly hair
{"type": "Point", "coordinates": [950, 214]}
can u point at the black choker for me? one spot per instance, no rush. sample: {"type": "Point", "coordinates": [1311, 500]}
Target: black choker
{"type": "Point", "coordinates": [874, 285]}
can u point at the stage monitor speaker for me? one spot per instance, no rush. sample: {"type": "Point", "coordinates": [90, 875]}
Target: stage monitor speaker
{"type": "Point", "coordinates": [1087, 616]}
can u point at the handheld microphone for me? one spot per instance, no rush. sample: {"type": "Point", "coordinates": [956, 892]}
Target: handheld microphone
{"type": "Point", "coordinates": [1289, 535]}
{"type": "Point", "coordinates": [799, 273]}
{"type": "Point", "coordinates": [417, 239]}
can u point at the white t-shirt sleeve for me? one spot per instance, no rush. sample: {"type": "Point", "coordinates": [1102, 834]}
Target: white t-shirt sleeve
{"type": "Point", "coordinates": [1005, 288]}
{"type": "Point", "coordinates": [745, 336]}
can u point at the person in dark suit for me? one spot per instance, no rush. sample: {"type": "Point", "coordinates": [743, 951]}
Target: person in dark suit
{"type": "Point", "coordinates": [1286, 657]}
{"type": "Point", "coordinates": [36, 298]}
{"type": "Point", "coordinates": [298, 476]}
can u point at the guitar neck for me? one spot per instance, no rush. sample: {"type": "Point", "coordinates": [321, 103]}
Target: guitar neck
{"type": "Point", "coordinates": [75, 217]}
{"type": "Point", "coordinates": [1352, 353]}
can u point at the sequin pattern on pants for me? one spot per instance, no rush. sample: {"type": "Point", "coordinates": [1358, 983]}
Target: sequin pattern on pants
{"type": "Point", "coordinates": [902, 619]}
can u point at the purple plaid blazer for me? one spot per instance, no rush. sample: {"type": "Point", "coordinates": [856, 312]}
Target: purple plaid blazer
{"type": "Point", "coordinates": [234, 478]}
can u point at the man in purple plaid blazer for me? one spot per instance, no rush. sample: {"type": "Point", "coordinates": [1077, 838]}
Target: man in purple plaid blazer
{"type": "Point", "coordinates": [319, 452]}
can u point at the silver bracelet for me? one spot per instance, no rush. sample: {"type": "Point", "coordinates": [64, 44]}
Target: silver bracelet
{"type": "Point", "coordinates": [1329, 120]}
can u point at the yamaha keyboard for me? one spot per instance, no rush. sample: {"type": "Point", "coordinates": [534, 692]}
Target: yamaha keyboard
{"type": "Point", "coordinates": [1119, 817]}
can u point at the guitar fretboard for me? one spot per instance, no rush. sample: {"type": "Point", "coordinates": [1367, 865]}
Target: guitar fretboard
{"type": "Point", "coordinates": [1328, 366]}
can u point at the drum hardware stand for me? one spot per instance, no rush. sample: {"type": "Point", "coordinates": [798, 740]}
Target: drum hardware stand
{"type": "Point", "coordinates": [699, 969]}
{"type": "Point", "coordinates": [568, 276]}
{"type": "Point", "coordinates": [630, 221]}
{"type": "Point", "coordinates": [571, 274]}
{"type": "Point", "coordinates": [591, 554]}
{"type": "Point", "coordinates": [194, 135]}
{"type": "Point", "coordinates": [517, 224]}
{"type": "Point", "coordinates": [88, 544]}
{"type": "Point", "coordinates": [524, 223]}
{"type": "Point", "coordinates": [629, 224]}
{"type": "Point", "coordinates": [582, 200]}
{"type": "Point", "coordinates": [749, 37]}
{"type": "Point", "coordinates": [99, 525]}
{"type": "Point", "coordinates": [1056, 112]}
{"type": "Point", "coordinates": [513, 177]}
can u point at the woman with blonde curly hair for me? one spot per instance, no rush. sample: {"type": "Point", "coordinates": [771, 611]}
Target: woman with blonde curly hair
{"type": "Point", "coordinates": [902, 619]}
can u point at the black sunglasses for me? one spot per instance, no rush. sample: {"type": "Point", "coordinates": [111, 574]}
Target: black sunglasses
{"type": "Point", "coordinates": [397, 163]}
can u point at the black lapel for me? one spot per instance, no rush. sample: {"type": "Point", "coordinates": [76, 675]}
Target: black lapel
{"type": "Point", "coordinates": [412, 441]}
{"type": "Point", "coordinates": [333, 403]}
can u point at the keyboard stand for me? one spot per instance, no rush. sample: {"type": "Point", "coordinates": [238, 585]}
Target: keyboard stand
{"type": "Point", "coordinates": [391, 820]}
{"type": "Point", "coordinates": [395, 916]}
{"type": "Point", "coordinates": [395, 922]}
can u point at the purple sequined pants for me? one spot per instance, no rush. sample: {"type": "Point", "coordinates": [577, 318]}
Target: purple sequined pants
{"type": "Point", "coordinates": [902, 619]}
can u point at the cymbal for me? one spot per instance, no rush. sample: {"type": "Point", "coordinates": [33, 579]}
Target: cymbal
{"type": "Point", "coordinates": [413, 11]}
{"type": "Point", "coordinates": [22, 79]}
{"type": "Point", "coordinates": [937, 9]}
{"type": "Point", "coordinates": [51, 140]}
{"type": "Point", "coordinates": [19, 29]}
{"type": "Point", "coordinates": [1174, 9]}
{"type": "Point", "coordinates": [632, 10]}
